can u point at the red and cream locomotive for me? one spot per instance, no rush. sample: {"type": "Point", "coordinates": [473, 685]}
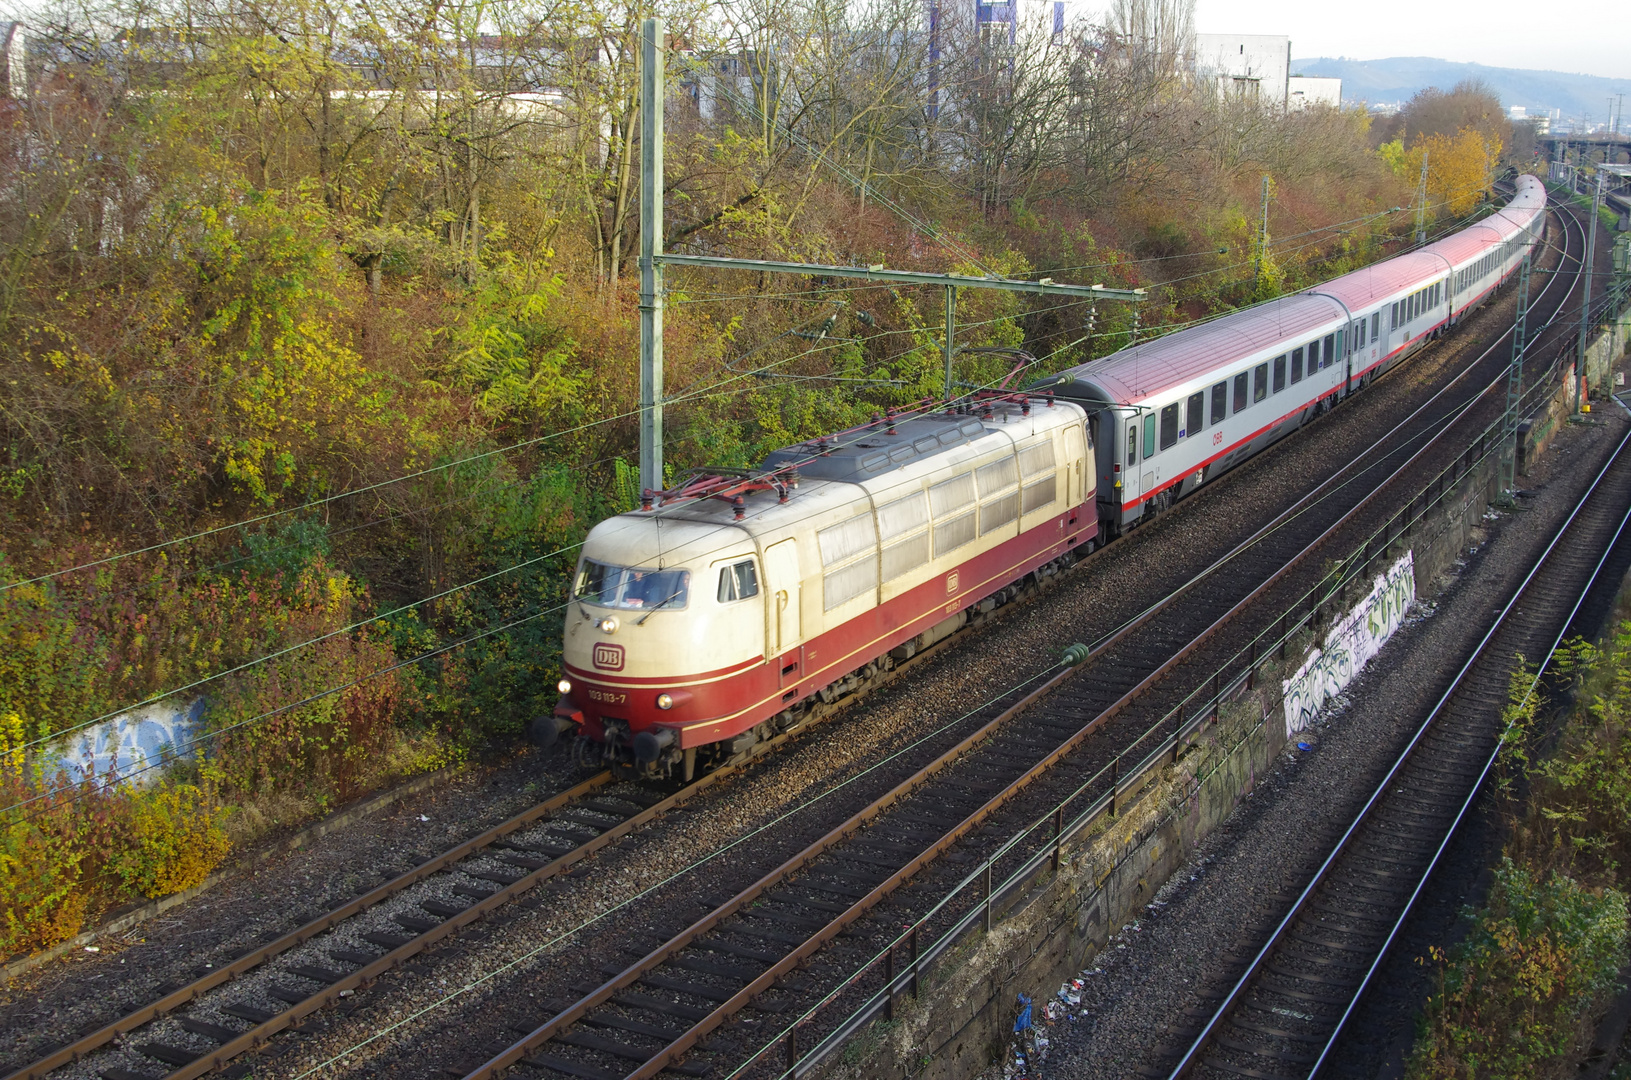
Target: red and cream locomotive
{"type": "Point", "coordinates": [706, 622]}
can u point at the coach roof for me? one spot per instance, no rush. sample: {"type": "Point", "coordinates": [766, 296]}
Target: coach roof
{"type": "Point", "coordinates": [1156, 368]}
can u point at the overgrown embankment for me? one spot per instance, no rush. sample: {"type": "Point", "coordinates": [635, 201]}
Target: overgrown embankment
{"type": "Point", "coordinates": [1520, 993]}
{"type": "Point", "coordinates": [315, 370]}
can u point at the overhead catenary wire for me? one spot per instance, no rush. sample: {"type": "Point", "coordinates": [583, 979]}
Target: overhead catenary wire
{"type": "Point", "coordinates": [482, 579]}
{"type": "Point", "coordinates": [385, 615]}
{"type": "Point", "coordinates": [862, 432]}
{"type": "Point", "coordinates": [191, 744]}
{"type": "Point", "coordinates": [801, 805]}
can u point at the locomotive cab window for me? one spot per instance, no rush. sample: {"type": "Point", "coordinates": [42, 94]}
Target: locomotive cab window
{"type": "Point", "coordinates": [632, 587]}
{"type": "Point", "coordinates": [738, 581]}
{"type": "Point", "coordinates": [1169, 425]}
{"type": "Point", "coordinates": [1260, 383]}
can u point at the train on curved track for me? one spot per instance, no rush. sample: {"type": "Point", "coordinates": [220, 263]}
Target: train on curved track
{"type": "Point", "coordinates": [715, 616]}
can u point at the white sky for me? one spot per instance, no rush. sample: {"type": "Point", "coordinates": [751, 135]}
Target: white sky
{"type": "Point", "coordinates": [1592, 37]}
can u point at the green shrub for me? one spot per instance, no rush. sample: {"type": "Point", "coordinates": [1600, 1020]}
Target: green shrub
{"type": "Point", "coordinates": [1516, 992]}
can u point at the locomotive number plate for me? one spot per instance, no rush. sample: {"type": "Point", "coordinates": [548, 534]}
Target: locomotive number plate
{"type": "Point", "coordinates": [606, 697]}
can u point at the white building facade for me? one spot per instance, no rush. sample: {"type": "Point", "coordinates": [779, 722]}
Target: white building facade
{"type": "Point", "coordinates": [1257, 66]}
{"type": "Point", "coordinates": [1303, 91]}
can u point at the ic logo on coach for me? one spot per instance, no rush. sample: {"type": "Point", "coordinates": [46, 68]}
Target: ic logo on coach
{"type": "Point", "coordinates": [609, 657]}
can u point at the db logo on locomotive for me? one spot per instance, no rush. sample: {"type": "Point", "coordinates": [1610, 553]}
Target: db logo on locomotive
{"type": "Point", "coordinates": [608, 657]}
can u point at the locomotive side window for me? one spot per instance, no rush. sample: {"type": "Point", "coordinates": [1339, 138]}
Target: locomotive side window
{"type": "Point", "coordinates": [1260, 383]}
{"type": "Point", "coordinates": [1169, 425]}
{"type": "Point", "coordinates": [995, 476]}
{"type": "Point", "coordinates": [845, 541]}
{"type": "Point", "coordinates": [1279, 373]}
{"type": "Point", "coordinates": [902, 516]}
{"type": "Point", "coordinates": [952, 529]}
{"type": "Point", "coordinates": [897, 519]}
{"type": "Point", "coordinates": [1036, 459]}
{"type": "Point", "coordinates": [1240, 391]}
{"type": "Point", "coordinates": [1296, 365]}
{"type": "Point", "coordinates": [738, 581]}
{"type": "Point", "coordinates": [1195, 420]}
{"type": "Point", "coordinates": [1220, 402]}
{"type": "Point", "coordinates": [632, 587]}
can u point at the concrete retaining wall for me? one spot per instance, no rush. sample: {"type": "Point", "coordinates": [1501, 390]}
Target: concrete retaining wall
{"type": "Point", "coordinates": [1044, 937]}
{"type": "Point", "coordinates": [1536, 433]}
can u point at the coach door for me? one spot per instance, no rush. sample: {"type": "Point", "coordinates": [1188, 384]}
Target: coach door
{"type": "Point", "coordinates": [782, 616]}
{"type": "Point", "coordinates": [1128, 454]}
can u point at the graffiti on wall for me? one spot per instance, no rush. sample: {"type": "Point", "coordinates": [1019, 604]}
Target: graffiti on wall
{"type": "Point", "coordinates": [130, 745]}
{"type": "Point", "coordinates": [1357, 637]}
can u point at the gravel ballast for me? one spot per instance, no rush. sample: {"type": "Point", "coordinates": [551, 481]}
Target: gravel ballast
{"type": "Point", "coordinates": [1164, 972]}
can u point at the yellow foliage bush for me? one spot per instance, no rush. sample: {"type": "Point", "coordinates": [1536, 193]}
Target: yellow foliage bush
{"type": "Point", "coordinates": [174, 840]}
{"type": "Point", "coordinates": [1460, 168]}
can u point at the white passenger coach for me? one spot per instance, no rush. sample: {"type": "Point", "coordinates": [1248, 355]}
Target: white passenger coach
{"type": "Point", "coordinates": [1173, 413]}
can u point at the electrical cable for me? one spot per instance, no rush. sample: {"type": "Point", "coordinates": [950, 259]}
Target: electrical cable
{"type": "Point", "coordinates": [398, 610]}
{"type": "Point", "coordinates": [802, 805]}
{"type": "Point", "coordinates": [864, 431]}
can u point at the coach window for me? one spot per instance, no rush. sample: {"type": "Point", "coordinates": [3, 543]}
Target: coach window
{"type": "Point", "coordinates": [1196, 418]}
{"type": "Point", "coordinates": [1344, 330]}
{"type": "Point", "coordinates": [1169, 425]}
{"type": "Point", "coordinates": [1296, 365]}
{"type": "Point", "coordinates": [1376, 326]}
{"type": "Point", "coordinates": [1132, 445]}
{"type": "Point", "coordinates": [1260, 383]}
{"type": "Point", "coordinates": [1359, 334]}
{"type": "Point", "coordinates": [1149, 434]}
{"type": "Point", "coordinates": [738, 581]}
{"type": "Point", "coordinates": [1330, 350]}
{"type": "Point", "coordinates": [1279, 373]}
{"type": "Point", "coordinates": [1393, 317]}
{"type": "Point", "coordinates": [1220, 402]}
{"type": "Point", "coordinates": [1240, 391]}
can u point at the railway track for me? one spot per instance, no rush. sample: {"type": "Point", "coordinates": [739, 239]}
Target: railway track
{"type": "Point", "coordinates": [667, 1010]}
{"type": "Point", "coordinates": [319, 963]}
{"type": "Point", "coordinates": [1284, 1015]}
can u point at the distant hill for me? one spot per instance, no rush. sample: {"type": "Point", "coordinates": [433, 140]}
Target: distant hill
{"type": "Point", "coordinates": [1397, 78]}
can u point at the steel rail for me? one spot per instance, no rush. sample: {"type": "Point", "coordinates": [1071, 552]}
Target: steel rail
{"type": "Point", "coordinates": [1225, 1008]}
{"type": "Point", "coordinates": [261, 1033]}
{"type": "Point", "coordinates": [1476, 787]}
{"type": "Point", "coordinates": [244, 964]}
{"type": "Point", "coordinates": [518, 1051]}
{"type": "Point", "coordinates": [1122, 782]}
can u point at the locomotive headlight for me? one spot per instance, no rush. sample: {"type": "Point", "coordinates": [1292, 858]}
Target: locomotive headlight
{"type": "Point", "coordinates": [564, 686]}
{"type": "Point", "coordinates": [665, 701]}
{"type": "Point", "coordinates": [608, 625]}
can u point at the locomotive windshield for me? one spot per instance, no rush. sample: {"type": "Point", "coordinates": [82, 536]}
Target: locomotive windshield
{"type": "Point", "coordinates": [631, 587]}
